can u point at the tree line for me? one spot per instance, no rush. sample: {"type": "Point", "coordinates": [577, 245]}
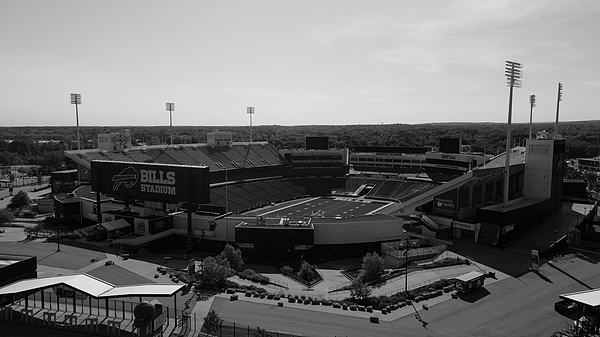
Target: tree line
{"type": "Point", "coordinates": [45, 145]}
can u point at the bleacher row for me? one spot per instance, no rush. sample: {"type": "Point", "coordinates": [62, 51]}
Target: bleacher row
{"type": "Point", "coordinates": [392, 189]}
{"type": "Point", "coordinates": [241, 197]}
{"type": "Point", "coordinates": [217, 158]}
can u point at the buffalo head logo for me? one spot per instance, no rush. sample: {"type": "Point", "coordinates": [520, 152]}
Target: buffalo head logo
{"type": "Point", "coordinates": [128, 177]}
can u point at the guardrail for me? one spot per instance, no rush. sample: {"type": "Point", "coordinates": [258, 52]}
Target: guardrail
{"type": "Point", "coordinates": [422, 284]}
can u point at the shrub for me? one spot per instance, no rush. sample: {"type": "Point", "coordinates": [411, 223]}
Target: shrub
{"type": "Point", "coordinates": [307, 271]}
{"type": "Point", "coordinates": [251, 275]}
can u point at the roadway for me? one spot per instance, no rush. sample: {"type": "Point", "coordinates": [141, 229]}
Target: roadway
{"type": "Point", "coordinates": [514, 306]}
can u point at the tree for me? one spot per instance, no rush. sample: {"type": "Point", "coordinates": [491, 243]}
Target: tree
{"type": "Point", "coordinates": [372, 266]}
{"type": "Point", "coordinates": [212, 322]}
{"type": "Point", "coordinates": [215, 271]}
{"type": "Point", "coordinates": [18, 200]}
{"type": "Point", "coordinates": [574, 237]}
{"type": "Point", "coordinates": [6, 217]}
{"type": "Point", "coordinates": [307, 271]}
{"type": "Point", "coordinates": [359, 289]}
{"type": "Point", "coordinates": [232, 256]}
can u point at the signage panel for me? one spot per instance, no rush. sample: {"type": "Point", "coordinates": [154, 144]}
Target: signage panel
{"type": "Point", "coordinates": [446, 203]}
{"type": "Point", "coordinates": [464, 225]}
{"type": "Point", "coordinates": [157, 182]}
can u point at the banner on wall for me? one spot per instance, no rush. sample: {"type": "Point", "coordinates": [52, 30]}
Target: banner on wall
{"type": "Point", "coordinates": [446, 204]}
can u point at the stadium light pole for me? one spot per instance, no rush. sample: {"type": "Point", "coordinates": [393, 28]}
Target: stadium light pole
{"type": "Point", "coordinates": [531, 105]}
{"type": "Point", "coordinates": [170, 109]}
{"type": "Point", "coordinates": [250, 111]}
{"type": "Point", "coordinates": [558, 99]}
{"type": "Point", "coordinates": [76, 99]}
{"type": "Point", "coordinates": [512, 71]}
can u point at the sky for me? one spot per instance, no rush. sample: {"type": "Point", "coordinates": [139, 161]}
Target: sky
{"type": "Point", "coordinates": [296, 62]}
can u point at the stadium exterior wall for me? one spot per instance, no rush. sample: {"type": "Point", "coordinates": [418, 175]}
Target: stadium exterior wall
{"type": "Point", "coordinates": [358, 230]}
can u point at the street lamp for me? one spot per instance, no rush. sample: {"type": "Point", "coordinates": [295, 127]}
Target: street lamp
{"type": "Point", "coordinates": [202, 248]}
{"type": "Point", "coordinates": [58, 237]}
{"type": "Point", "coordinates": [76, 99]}
{"type": "Point", "coordinates": [531, 105]}
{"type": "Point", "coordinates": [512, 71]}
{"type": "Point", "coordinates": [406, 267]}
{"type": "Point", "coordinates": [226, 208]}
{"type": "Point", "coordinates": [250, 111]}
{"type": "Point", "coordinates": [170, 109]}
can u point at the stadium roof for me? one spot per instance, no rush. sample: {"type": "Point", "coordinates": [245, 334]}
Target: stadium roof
{"type": "Point", "coordinates": [517, 157]}
{"type": "Point", "coordinates": [91, 286]}
{"type": "Point", "coordinates": [587, 297]}
{"type": "Point", "coordinates": [239, 155]}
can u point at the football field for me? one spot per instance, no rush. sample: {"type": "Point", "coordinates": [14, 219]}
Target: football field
{"type": "Point", "coordinates": [323, 207]}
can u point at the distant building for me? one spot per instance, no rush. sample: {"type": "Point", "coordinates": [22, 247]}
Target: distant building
{"type": "Point", "coordinates": [588, 164]}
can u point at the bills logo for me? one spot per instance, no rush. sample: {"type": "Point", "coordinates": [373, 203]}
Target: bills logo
{"type": "Point", "coordinates": [127, 178]}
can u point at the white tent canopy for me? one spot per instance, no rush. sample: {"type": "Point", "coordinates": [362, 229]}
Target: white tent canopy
{"type": "Point", "coordinates": [92, 286]}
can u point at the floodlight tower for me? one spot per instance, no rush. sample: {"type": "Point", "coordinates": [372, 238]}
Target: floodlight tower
{"type": "Point", "coordinates": [250, 112]}
{"type": "Point", "coordinates": [513, 72]}
{"type": "Point", "coordinates": [76, 99]}
{"type": "Point", "coordinates": [170, 109]}
{"type": "Point", "coordinates": [558, 99]}
{"type": "Point", "coordinates": [531, 105]}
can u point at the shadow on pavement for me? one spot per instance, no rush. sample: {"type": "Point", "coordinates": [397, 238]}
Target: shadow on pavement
{"type": "Point", "coordinates": [474, 295]}
{"type": "Point", "coordinates": [543, 277]}
{"type": "Point", "coordinates": [45, 257]}
{"type": "Point", "coordinates": [569, 275]}
{"type": "Point", "coordinates": [508, 262]}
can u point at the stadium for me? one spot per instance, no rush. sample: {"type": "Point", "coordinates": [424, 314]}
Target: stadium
{"type": "Point", "coordinates": [314, 203]}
